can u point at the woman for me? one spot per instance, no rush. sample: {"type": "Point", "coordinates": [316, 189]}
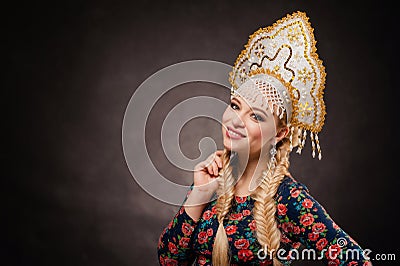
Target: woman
{"type": "Point", "coordinates": [244, 207]}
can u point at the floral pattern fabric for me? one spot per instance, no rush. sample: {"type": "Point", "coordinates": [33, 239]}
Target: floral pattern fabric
{"type": "Point", "coordinates": [308, 232]}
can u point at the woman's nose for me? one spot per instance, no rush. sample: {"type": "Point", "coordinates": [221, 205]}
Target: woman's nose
{"type": "Point", "coordinates": [237, 120]}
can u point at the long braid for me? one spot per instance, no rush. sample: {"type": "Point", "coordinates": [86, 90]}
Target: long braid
{"type": "Point", "coordinates": [226, 189]}
{"type": "Point", "coordinates": [268, 233]}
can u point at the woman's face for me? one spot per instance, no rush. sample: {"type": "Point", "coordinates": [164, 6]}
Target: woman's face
{"type": "Point", "coordinates": [247, 128]}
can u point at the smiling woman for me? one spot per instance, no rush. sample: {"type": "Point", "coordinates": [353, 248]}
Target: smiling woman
{"type": "Point", "coordinates": [262, 215]}
{"type": "Point", "coordinates": [248, 128]}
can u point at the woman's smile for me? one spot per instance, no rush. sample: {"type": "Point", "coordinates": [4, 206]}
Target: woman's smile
{"type": "Point", "coordinates": [234, 134]}
{"type": "Point", "coordinates": [247, 128]}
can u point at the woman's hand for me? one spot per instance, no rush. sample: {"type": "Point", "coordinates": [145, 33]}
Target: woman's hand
{"type": "Point", "coordinates": [206, 172]}
{"type": "Point", "coordinates": [205, 184]}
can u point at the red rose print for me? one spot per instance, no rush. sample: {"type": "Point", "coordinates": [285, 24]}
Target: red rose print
{"type": "Point", "coordinates": [207, 215]}
{"type": "Point", "coordinates": [307, 219]}
{"type": "Point", "coordinates": [245, 255]}
{"type": "Point", "coordinates": [209, 232]}
{"type": "Point", "coordinates": [334, 262]}
{"type": "Point", "coordinates": [281, 209]}
{"type": "Point", "coordinates": [242, 244]}
{"type": "Point", "coordinates": [333, 251]}
{"type": "Point", "coordinates": [287, 227]}
{"type": "Point", "coordinates": [162, 262]}
{"type": "Point", "coordinates": [352, 263]}
{"type": "Point", "coordinates": [294, 192]}
{"type": "Point", "coordinates": [187, 229]}
{"type": "Point", "coordinates": [246, 212]}
{"type": "Point", "coordinates": [202, 237]}
{"type": "Point", "coordinates": [236, 216]}
{"type": "Point", "coordinates": [285, 239]}
{"type": "Point", "coordinates": [202, 260]}
{"type": "Point", "coordinates": [313, 236]}
{"type": "Point", "coordinates": [335, 225]}
{"type": "Point", "coordinates": [214, 209]}
{"type": "Point", "coordinates": [184, 242]}
{"type": "Point", "coordinates": [307, 203]}
{"type": "Point", "coordinates": [252, 225]}
{"type": "Point", "coordinates": [170, 262]}
{"type": "Point", "coordinates": [231, 229]}
{"type": "Point", "coordinates": [240, 199]}
{"type": "Point", "coordinates": [296, 230]}
{"type": "Point", "coordinates": [321, 243]}
{"type": "Point", "coordinates": [172, 248]}
{"type": "Point", "coordinates": [318, 228]}
{"type": "Point", "coordinates": [266, 262]}
{"type": "Point", "coordinates": [296, 245]}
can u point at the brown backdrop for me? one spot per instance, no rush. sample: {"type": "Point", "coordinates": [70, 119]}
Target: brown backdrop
{"type": "Point", "coordinates": [74, 67]}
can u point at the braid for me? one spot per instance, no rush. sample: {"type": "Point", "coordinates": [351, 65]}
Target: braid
{"type": "Point", "coordinates": [225, 196]}
{"type": "Point", "coordinates": [268, 233]}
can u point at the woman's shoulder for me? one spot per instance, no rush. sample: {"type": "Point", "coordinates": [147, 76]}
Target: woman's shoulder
{"type": "Point", "coordinates": [290, 185]}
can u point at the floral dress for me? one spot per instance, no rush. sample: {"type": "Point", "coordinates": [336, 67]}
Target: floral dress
{"type": "Point", "coordinates": [307, 233]}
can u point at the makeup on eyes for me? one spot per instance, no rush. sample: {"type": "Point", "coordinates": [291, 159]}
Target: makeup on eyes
{"type": "Point", "coordinates": [259, 117]}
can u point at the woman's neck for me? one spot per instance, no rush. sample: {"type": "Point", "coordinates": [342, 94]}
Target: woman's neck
{"type": "Point", "coordinates": [249, 173]}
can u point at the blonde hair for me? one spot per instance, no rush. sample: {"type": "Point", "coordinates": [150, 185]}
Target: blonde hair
{"type": "Point", "coordinates": [267, 231]}
{"type": "Point", "coordinates": [226, 192]}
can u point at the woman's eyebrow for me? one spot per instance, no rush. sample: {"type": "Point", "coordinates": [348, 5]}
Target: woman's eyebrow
{"type": "Point", "coordinates": [236, 99]}
{"type": "Point", "coordinates": [251, 108]}
{"type": "Point", "coordinates": [261, 110]}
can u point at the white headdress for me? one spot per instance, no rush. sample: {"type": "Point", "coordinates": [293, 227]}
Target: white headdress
{"type": "Point", "coordinates": [282, 63]}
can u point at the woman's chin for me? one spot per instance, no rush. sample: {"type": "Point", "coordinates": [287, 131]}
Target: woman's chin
{"type": "Point", "coordinates": [235, 148]}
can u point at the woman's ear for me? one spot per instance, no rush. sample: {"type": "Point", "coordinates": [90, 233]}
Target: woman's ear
{"type": "Point", "coordinates": [283, 132]}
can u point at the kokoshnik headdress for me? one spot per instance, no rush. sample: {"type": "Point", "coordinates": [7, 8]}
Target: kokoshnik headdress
{"type": "Point", "coordinates": [281, 62]}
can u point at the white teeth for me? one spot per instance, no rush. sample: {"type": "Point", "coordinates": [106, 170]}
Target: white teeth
{"type": "Point", "coordinates": [234, 134]}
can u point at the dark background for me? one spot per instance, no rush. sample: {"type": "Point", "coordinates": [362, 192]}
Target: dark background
{"type": "Point", "coordinates": [72, 68]}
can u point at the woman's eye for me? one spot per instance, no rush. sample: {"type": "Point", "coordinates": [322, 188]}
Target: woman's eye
{"type": "Point", "coordinates": [234, 106]}
{"type": "Point", "coordinates": [257, 117]}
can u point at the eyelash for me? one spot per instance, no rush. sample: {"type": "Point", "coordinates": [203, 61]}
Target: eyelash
{"type": "Point", "coordinates": [257, 117]}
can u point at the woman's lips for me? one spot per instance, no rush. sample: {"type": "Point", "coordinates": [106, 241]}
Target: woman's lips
{"type": "Point", "coordinates": [233, 134]}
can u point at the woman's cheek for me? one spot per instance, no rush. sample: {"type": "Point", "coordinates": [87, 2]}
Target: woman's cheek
{"type": "Point", "coordinates": [227, 115]}
{"type": "Point", "coordinates": [254, 132]}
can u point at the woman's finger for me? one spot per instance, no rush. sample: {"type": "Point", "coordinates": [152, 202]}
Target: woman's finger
{"type": "Point", "coordinates": [210, 170]}
{"type": "Point", "coordinates": [215, 168]}
{"type": "Point", "coordinates": [219, 152]}
{"type": "Point", "coordinates": [216, 157]}
{"type": "Point", "coordinates": [219, 161]}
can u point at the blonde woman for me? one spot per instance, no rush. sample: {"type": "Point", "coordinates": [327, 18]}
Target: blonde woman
{"type": "Point", "coordinates": [244, 207]}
